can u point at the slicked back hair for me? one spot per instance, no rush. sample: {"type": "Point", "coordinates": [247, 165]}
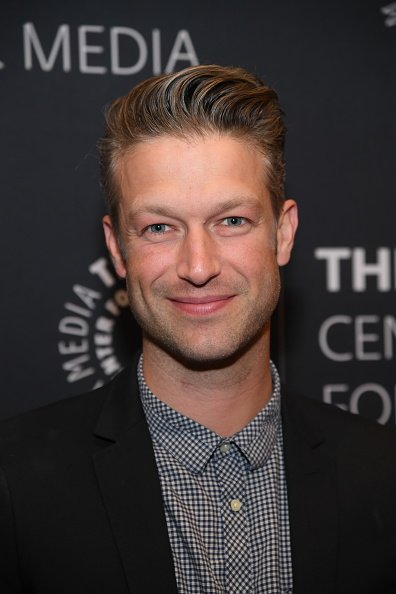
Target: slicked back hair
{"type": "Point", "coordinates": [195, 102]}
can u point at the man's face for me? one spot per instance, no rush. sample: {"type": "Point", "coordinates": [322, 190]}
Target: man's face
{"type": "Point", "coordinates": [201, 248]}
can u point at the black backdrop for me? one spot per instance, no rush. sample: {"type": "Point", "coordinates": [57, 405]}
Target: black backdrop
{"type": "Point", "coordinates": [65, 324]}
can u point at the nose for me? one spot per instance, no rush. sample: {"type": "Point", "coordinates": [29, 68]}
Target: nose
{"type": "Point", "coordinates": [199, 258]}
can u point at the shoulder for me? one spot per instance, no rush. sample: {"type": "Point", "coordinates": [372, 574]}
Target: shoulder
{"type": "Point", "coordinates": [348, 436]}
{"type": "Point", "coordinates": [326, 417]}
{"type": "Point", "coordinates": [67, 421]}
{"type": "Point", "coordinates": [43, 427]}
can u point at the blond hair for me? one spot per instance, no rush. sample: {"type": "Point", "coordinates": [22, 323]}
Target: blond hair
{"type": "Point", "coordinates": [194, 102]}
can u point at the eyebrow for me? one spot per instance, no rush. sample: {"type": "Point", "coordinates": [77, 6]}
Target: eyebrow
{"type": "Point", "coordinates": [169, 211]}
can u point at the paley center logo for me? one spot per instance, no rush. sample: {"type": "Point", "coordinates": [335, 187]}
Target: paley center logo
{"type": "Point", "coordinates": [97, 333]}
{"type": "Point", "coordinates": [101, 50]}
{"type": "Point", "coordinates": [360, 334]}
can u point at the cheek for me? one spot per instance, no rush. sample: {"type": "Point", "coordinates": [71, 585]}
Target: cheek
{"type": "Point", "coordinates": [146, 266]}
{"type": "Point", "coordinates": [255, 257]}
{"type": "Point", "coordinates": [262, 274]}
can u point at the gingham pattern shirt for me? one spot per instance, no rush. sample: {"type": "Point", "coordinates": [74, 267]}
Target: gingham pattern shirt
{"type": "Point", "coordinates": [225, 500]}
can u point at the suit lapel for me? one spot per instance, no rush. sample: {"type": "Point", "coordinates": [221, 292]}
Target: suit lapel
{"type": "Point", "coordinates": [312, 494]}
{"type": "Point", "coordinates": [130, 487]}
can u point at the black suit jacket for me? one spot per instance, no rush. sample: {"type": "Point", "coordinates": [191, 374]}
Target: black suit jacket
{"type": "Point", "coordinates": [81, 509]}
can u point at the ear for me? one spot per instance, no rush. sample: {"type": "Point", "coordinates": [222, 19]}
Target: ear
{"type": "Point", "coordinates": [113, 247]}
{"type": "Point", "coordinates": [287, 227]}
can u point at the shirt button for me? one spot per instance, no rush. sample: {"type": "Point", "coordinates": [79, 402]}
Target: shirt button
{"type": "Point", "coordinates": [225, 447]}
{"type": "Point", "coordinates": [235, 505]}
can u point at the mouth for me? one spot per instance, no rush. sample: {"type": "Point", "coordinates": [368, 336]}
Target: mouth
{"type": "Point", "coordinates": [204, 305]}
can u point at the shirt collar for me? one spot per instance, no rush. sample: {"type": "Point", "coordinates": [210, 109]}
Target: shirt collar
{"type": "Point", "coordinates": [193, 445]}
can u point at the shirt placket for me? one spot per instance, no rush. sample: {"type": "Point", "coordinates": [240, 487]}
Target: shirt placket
{"type": "Point", "coordinates": [231, 470]}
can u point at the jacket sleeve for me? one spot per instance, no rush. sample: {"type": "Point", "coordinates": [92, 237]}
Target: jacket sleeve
{"type": "Point", "coordinates": [9, 580]}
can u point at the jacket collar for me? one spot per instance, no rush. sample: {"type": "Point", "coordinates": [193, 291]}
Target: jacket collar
{"type": "Point", "coordinates": [122, 408]}
{"type": "Point", "coordinates": [312, 493]}
{"type": "Point", "coordinates": [130, 487]}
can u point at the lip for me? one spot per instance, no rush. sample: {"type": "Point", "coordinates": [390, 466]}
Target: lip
{"type": "Point", "coordinates": [201, 305]}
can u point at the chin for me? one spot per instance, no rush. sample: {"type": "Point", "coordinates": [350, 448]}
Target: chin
{"type": "Point", "coordinates": [207, 355]}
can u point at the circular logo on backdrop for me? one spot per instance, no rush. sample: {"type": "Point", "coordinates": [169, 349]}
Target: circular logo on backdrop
{"type": "Point", "coordinates": [97, 332]}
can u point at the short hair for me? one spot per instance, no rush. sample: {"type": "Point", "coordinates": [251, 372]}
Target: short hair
{"type": "Point", "coordinates": [195, 101]}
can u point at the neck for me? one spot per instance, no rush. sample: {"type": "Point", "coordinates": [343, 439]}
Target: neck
{"type": "Point", "coordinates": [223, 399]}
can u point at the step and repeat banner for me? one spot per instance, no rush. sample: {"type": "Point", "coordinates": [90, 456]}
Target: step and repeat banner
{"type": "Point", "coordinates": [66, 327]}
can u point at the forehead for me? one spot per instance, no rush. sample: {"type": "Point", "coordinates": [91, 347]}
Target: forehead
{"type": "Point", "coordinates": [191, 170]}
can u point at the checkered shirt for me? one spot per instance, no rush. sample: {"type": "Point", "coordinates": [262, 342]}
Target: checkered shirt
{"type": "Point", "coordinates": [225, 500]}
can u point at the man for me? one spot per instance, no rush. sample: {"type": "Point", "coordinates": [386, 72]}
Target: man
{"type": "Point", "coordinates": [191, 472]}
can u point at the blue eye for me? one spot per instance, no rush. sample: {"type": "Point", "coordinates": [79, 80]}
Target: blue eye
{"type": "Point", "coordinates": [234, 221]}
{"type": "Point", "coordinates": [157, 228]}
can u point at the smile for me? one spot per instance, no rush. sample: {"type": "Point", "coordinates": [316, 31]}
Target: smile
{"type": "Point", "coordinates": [201, 305]}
